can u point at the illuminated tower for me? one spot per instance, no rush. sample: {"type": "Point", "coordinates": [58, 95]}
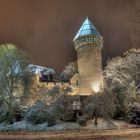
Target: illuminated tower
{"type": "Point", "coordinates": [88, 44]}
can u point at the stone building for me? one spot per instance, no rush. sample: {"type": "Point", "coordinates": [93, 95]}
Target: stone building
{"type": "Point", "coordinates": [40, 73]}
{"type": "Point", "coordinates": [88, 44]}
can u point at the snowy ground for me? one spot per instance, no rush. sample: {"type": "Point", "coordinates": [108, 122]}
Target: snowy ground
{"type": "Point", "coordinates": [27, 126]}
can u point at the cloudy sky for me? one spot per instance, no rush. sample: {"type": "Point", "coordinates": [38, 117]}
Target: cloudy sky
{"type": "Point", "coordinates": [46, 28]}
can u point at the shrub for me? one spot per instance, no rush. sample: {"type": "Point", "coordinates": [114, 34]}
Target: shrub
{"type": "Point", "coordinates": [12, 115]}
{"type": "Point", "coordinates": [40, 113]}
{"type": "Point", "coordinates": [64, 108]}
{"type": "Point", "coordinates": [67, 90]}
{"type": "Point", "coordinates": [100, 105]}
{"type": "Point", "coordinates": [51, 117]}
{"type": "Point", "coordinates": [120, 95]}
{"type": "Point", "coordinates": [55, 91]}
{"type": "Point", "coordinates": [82, 120]}
{"type": "Point", "coordinates": [133, 115]}
{"type": "Point", "coordinates": [3, 111]}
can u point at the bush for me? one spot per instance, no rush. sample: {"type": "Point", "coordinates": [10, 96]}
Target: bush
{"type": "Point", "coordinates": [51, 116]}
{"type": "Point", "coordinates": [55, 91]}
{"type": "Point", "coordinates": [10, 115]}
{"type": "Point", "coordinates": [120, 95]}
{"type": "Point", "coordinates": [100, 105]}
{"type": "Point", "coordinates": [133, 115]}
{"type": "Point", "coordinates": [82, 120]}
{"type": "Point", "coordinates": [3, 112]}
{"type": "Point", "coordinates": [40, 113]}
{"type": "Point", "coordinates": [67, 90]}
{"type": "Point", "coordinates": [64, 108]}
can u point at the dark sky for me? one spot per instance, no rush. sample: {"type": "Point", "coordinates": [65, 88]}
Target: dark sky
{"type": "Point", "coordinates": [46, 28]}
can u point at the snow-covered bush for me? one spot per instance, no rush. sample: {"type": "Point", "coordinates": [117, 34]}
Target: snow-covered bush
{"type": "Point", "coordinates": [54, 91]}
{"type": "Point", "coordinates": [67, 90]}
{"type": "Point", "coordinates": [133, 115]}
{"type": "Point", "coordinates": [101, 105]}
{"type": "Point", "coordinates": [12, 115]}
{"type": "Point", "coordinates": [3, 111]}
{"type": "Point", "coordinates": [120, 95]}
{"type": "Point", "coordinates": [40, 113]}
{"type": "Point", "coordinates": [52, 94]}
{"type": "Point", "coordinates": [82, 120]}
{"type": "Point", "coordinates": [64, 108]}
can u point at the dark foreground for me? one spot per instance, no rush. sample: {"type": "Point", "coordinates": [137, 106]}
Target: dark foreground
{"type": "Point", "coordinates": [127, 134]}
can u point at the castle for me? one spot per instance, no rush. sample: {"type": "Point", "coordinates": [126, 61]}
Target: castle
{"type": "Point", "coordinates": [88, 44]}
{"type": "Point", "coordinates": [89, 80]}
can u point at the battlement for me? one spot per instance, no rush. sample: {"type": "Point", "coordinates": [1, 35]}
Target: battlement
{"type": "Point", "coordinates": [60, 84]}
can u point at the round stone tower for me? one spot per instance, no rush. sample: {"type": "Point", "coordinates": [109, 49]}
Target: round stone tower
{"type": "Point", "coordinates": [88, 44]}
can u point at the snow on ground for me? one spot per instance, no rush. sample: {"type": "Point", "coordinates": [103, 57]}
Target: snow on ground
{"type": "Point", "coordinates": [25, 125]}
{"type": "Point", "coordinates": [102, 125]}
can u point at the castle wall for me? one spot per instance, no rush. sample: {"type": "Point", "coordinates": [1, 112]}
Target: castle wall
{"type": "Point", "coordinates": [74, 85]}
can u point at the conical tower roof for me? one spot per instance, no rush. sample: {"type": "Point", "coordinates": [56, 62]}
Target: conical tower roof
{"type": "Point", "coordinates": [87, 29]}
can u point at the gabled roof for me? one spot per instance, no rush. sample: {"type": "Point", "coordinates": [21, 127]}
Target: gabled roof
{"type": "Point", "coordinates": [35, 69]}
{"type": "Point", "coordinates": [87, 29]}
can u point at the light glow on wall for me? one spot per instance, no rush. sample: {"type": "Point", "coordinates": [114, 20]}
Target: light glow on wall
{"type": "Point", "coordinates": [96, 87]}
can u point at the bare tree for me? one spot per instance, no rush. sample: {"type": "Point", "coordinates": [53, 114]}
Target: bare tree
{"type": "Point", "coordinates": [12, 65]}
{"type": "Point", "coordinates": [69, 71]}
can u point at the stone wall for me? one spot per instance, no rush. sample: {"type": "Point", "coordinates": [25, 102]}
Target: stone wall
{"type": "Point", "coordinates": [90, 68]}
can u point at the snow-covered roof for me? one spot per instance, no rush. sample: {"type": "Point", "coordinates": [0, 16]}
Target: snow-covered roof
{"type": "Point", "coordinates": [87, 29]}
{"type": "Point", "coordinates": [35, 69]}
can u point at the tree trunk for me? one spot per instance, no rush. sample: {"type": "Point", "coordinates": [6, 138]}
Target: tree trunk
{"type": "Point", "coordinates": [10, 114]}
{"type": "Point", "coordinates": [95, 120]}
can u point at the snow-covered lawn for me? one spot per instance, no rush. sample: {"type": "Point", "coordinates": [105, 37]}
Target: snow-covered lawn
{"type": "Point", "coordinates": [102, 125]}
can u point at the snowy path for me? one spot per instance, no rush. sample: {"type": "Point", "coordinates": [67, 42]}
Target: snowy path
{"type": "Point", "coordinates": [125, 134]}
